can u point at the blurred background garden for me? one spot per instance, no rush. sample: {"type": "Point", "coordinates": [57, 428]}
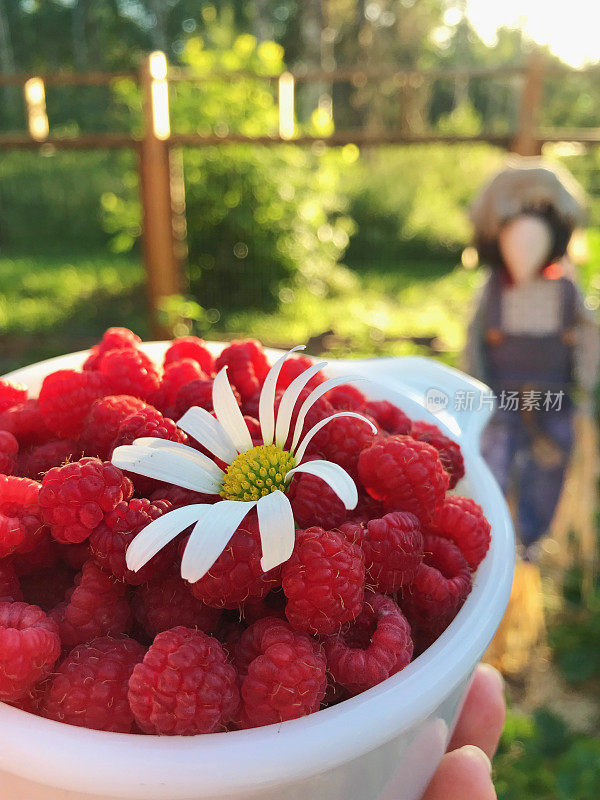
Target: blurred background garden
{"type": "Point", "coordinates": [359, 249]}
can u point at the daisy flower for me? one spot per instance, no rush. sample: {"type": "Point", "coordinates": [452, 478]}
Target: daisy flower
{"type": "Point", "coordinates": [253, 476]}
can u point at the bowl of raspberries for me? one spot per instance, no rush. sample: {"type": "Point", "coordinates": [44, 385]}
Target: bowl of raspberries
{"type": "Point", "coordinates": [232, 572]}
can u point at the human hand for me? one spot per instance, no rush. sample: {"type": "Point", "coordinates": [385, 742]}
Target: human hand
{"type": "Point", "coordinates": [464, 772]}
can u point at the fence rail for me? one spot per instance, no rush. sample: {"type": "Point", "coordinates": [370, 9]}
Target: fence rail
{"type": "Point", "coordinates": [160, 178]}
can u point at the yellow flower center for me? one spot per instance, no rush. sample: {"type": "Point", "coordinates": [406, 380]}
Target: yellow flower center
{"type": "Point", "coordinates": [257, 472]}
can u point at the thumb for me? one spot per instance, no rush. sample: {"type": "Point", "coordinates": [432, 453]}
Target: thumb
{"type": "Point", "coordinates": [463, 774]}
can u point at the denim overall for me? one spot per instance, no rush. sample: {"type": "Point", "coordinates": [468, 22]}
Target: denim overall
{"type": "Point", "coordinates": [539, 368]}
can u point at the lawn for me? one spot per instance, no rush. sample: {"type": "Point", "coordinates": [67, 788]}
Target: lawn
{"type": "Point", "coordinates": [54, 304]}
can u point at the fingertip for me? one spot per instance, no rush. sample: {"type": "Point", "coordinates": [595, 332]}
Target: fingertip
{"type": "Point", "coordinates": [463, 773]}
{"type": "Point", "coordinates": [492, 675]}
{"type": "Point", "coordinates": [470, 752]}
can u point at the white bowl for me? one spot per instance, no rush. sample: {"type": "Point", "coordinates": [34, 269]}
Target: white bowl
{"type": "Point", "coordinates": [383, 744]}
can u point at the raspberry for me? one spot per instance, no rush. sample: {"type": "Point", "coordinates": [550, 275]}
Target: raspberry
{"type": "Point", "coordinates": [130, 372]}
{"type": "Point", "coordinates": [178, 496]}
{"type": "Point", "coordinates": [36, 462]}
{"type": "Point", "coordinates": [194, 348]}
{"type": "Point", "coordinates": [247, 366]}
{"type": "Point", "coordinates": [462, 521]}
{"type": "Point", "coordinates": [43, 554]}
{"type": "Point", "coordinates": [90, 686]}
{"type": "Point", "coordinates": [75, 555]}
{"type": "Point", "coordinates": [176, 375]}
{"type": "Point", "coordinates": [10, 589]}
{"type": "Point", "coordinates": [376, 647]}
{"type": "Point", "coordinates": [195, 393]}
{"type": "Point", "coordinates": [113, 339]}
{"type": "Point", "coordinates": [75, 498]}
{"type": "Point", "coordinates": [110, 540]}
{"type": "Point", "coordinates": [148, 422]}
{"type": "Point", "coordinates": [405, 474]}
{"type": "Point", "coordinates": [102, 423]}
{"type": "Point", "coordinates": [236, 576]}
{"type": "Point", "coordinates": [254, 430]}
{"type": "Point", "coordinates": [393, 548]}
{"type": "Point", "coordinates": [317, 412]}
{"type": "Point", "coordinates": [342, 441]}
{"type": "Point", "coordinates": [273, 605]}
{"type": "Point", "coordinates": [47, 587]}
{"type": "Point", "coordinates": [9, 448]}
{"type": "Point", "coordinates": [347, 397]}
{"type": "Point", "coordinates": [97, 606]}
{"type": "Point", "coordinates": [26, 423]}
{"type": "Point", "coordinates": [11, 394]}
{"type": "Point", "coordinates": [294, 366]}
{"type": "Point", "coordinates": [29, 646]}
{"type": "Point", "coordinates": [441, 584]}
{"type": "Point", "coordinates": [323, 580]}
{"type": "Point", "coordinates": [449, 451]}
{"type": "Point", "coordinates": [168, 602]}
{"type": "Point", "coordinates": [315, 503]}
{"type": "Point", "coordinates": [66, 397]}
{"type": "Point", "coordinates": [389, 417]}
{"type": "Point", "coordinates": [367, 508]}
{"type": "Point", "coordinates": [21, 527]}
{"type": "Point", "coordinates": [282, 673]}
{"type": "Point", "coordinates": [184, 685]}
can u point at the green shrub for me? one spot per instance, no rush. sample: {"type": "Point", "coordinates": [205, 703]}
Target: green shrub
{"type": "Point", "coordinates": [258, 218]}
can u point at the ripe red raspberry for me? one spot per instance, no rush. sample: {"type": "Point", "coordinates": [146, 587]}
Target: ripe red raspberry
{"type": "Point", "coordinates": [254, 430]}
{"type": "Point", "coordinates": [176, 375]}
{"type": "Point", "coordinates": [342, 441]}
{"type": "Point", "coordinates": [323, 580]}
{"type": "Point", "coordinates": [148, 422]}
{"type": "Point", "coordinates": [294, 366]}
{"type": "Point", "coordinates": [178, 496]}
{"type": "Point", "coordinates": [168, 602]}
{"type": "Point", "coordinates": [21, 526]}
{"type": "Point", "coordinates": [75, 555]}
{"type": "Point", "coordinates": [405, 474]}
{"type": "Point", "coordinates": [347, 397]}
{"type": "Point", "coordinates": [110, 540]}
{"type": "Point", "coordinates": [47, 587]}
{"type": "Point", "coordinates": [130, 372]}
{"type": "Point", "coordinates": [75, 498]}
{"type": "Point", "coordinates": [194, 348]}
{"type": "Point", "coordinates": [450, 454]}
{"type": "Point", "coordinates": [273, 605]}
{"type": "Point", "coordinates": [315, 503]}
{"type": "Point", "coordinates": [184, 685]}
{"type": "Point", "coordinates": [113, 339]}
{"type": "Point", "coordinates": [317, 412]}
{"type": "Point", "coordinates": [462, 521]}
{"type": "Point", "coordinates": [103, 421]}
{"type": "Point", "coordinates": [389, 417]}
{"type": "Point", "coordinates": [43, 554]}
{"type": "Point", "coordinates": [236, 576]}
{"type": "Point", "coordinates": [10, 588]}
{"type": "Point", "coordinates": [247, 366]}
{"type": "Point", "coordinates": [96, 606]}
{"type": "Point", "coordinates": [11, 394]}
{"type": "Point", "coordinates": [375, 647]}
{"type": "Point", "coordinates": [282, 673]}
{"type": "Point", "coordinates": [90, 686]}
{"type": "Point", "coordinates": [195, 393]}
{"type": "Point", "coordinates": [36, 462]}
{"type": "Point", "coordinates": [442, 583]}
{"type": "Point", "coordinates": [66, 397]}
{"type": "Point", "coordinates": [9, 449]}
{"type": "Point", "coordinates": [367, 508]}
{"type": "Point", "coordinates": [29, 646]}
{"type": "Point", "coordinates": [26, 423]}
{"type": "Point", "coordinates": [393, 548]}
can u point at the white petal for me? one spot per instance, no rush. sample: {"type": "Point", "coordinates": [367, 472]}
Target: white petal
{"type": "Point", "coordinates": [209, 432]}
{"type": "Point", "coordinates": [289, 399]}
{"type": "Point", "coordinates": [229, 414]}
{"type": "Point", "coordinates": [277, 531]}
{"type": "Point", "coordinates": [183, 450]}
{"type": "Point", "coordinates": [266, 403]}
{"type": "Point", "coordinates": [210, 537]}
{"type": "Point", "coordinates": [339, 480]}
{"type": "Point", "coordinates": [312, 398]}
{"type": "Point", "coordinates": [165, 465]}
{"type": "Point", "coordinates": [158, 533]}
{"type": "Point", "coordinates": [316, 428]}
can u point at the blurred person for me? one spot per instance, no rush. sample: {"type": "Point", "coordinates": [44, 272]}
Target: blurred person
{"type": "Point", "coordinates": [531, 339]}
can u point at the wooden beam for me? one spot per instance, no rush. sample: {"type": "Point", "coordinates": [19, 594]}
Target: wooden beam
{"type": "Point", "coordinates": [526, 142]}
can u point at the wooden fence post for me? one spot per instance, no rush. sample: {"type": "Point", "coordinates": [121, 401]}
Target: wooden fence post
{"type": "Point", "coordinates": [526, 142]}
{"type": "Point", "coordinates": [159, 241]}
